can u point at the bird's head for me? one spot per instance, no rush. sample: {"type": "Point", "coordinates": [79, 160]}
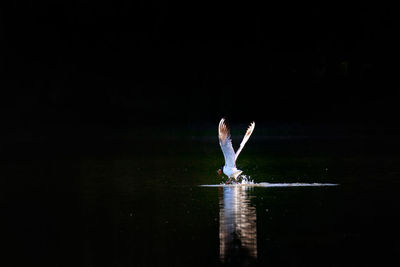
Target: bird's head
{"type": "Point", "coordinates": [219, 171]}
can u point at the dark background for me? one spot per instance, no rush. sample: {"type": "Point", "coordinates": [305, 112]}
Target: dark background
{"type": "Point", "coordinates": [80, 80]}
{"type": "Point", "coordinates": [119, 63]}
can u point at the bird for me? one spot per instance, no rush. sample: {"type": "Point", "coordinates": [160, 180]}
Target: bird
{"type": "Point", "coordinates": [225, 141]}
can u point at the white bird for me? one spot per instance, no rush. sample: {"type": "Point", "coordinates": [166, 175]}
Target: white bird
{"type": "Point", "coordinates": [230, 156]}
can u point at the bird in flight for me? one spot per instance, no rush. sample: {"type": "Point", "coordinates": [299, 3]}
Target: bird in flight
{"type": "Point", "coordinates": [225, 141]}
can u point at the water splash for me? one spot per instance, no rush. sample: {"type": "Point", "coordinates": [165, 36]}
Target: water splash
{"type": "Point", "coordinates": [294, 184]}
{"type": "Point", "coordinates": [244, 180]}
{"type": "Point", "coordinates": [241, 180]}
{"type": "Point", "coordinates": [247, 181]}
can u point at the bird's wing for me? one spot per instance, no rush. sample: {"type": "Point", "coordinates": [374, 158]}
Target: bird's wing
{"type": "Point", "coordinates": [245, 138]}
{"type": "Point", "coordinates": [225, 142]}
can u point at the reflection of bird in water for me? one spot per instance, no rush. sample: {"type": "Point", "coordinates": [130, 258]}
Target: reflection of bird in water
{"type": "Point", "coordinates": [230, 156]}
{"type": "Point", "coordinates": [237, 229]}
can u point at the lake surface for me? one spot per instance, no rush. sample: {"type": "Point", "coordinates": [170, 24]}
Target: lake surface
{"type": "Point", "coordinates": [141, 203]}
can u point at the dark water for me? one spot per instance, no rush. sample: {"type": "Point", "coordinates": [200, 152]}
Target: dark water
{"type": "Point", "coordinates": [139, 203]}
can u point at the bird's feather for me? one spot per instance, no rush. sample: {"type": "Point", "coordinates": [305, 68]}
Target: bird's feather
{"type": "Point", "coordinates": [245, 138]}
{"type": "Point", "coordinates": [225, 142]}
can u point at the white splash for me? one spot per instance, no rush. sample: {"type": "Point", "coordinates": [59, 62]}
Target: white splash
{"type": "Point", "coordinates": [294, 184]}
{"type": "Point", "coordinates": [246, 181]}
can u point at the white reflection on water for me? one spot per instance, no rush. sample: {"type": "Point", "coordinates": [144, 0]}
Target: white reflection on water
{"type": "Point", "coordinates": [237, 225]}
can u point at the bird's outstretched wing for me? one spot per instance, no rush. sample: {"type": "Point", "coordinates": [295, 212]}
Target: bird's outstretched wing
{"type": "Point", "coordinates": [225, 142]}
{"type": "Point", "coordinates": [245, 138]}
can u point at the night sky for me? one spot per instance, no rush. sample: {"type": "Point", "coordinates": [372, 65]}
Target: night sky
{"type": "Point", "coordinates": [125, 62]}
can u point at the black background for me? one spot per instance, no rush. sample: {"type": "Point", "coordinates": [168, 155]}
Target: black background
{"type": "Point", "coordinates": [74, 73]}
{"type": "Point", "coordinates": [119, 63]}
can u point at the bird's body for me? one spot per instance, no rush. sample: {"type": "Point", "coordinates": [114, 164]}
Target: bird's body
{"type": "Point", "coordinates": [230, 156]}
{"type": "Point", "coordinates": [231, 172]}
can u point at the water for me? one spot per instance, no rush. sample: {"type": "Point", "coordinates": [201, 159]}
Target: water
{"type": "Point", "coordinates": [237, 226]}
{"type": "Point", "coordinates": [135, 205]}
